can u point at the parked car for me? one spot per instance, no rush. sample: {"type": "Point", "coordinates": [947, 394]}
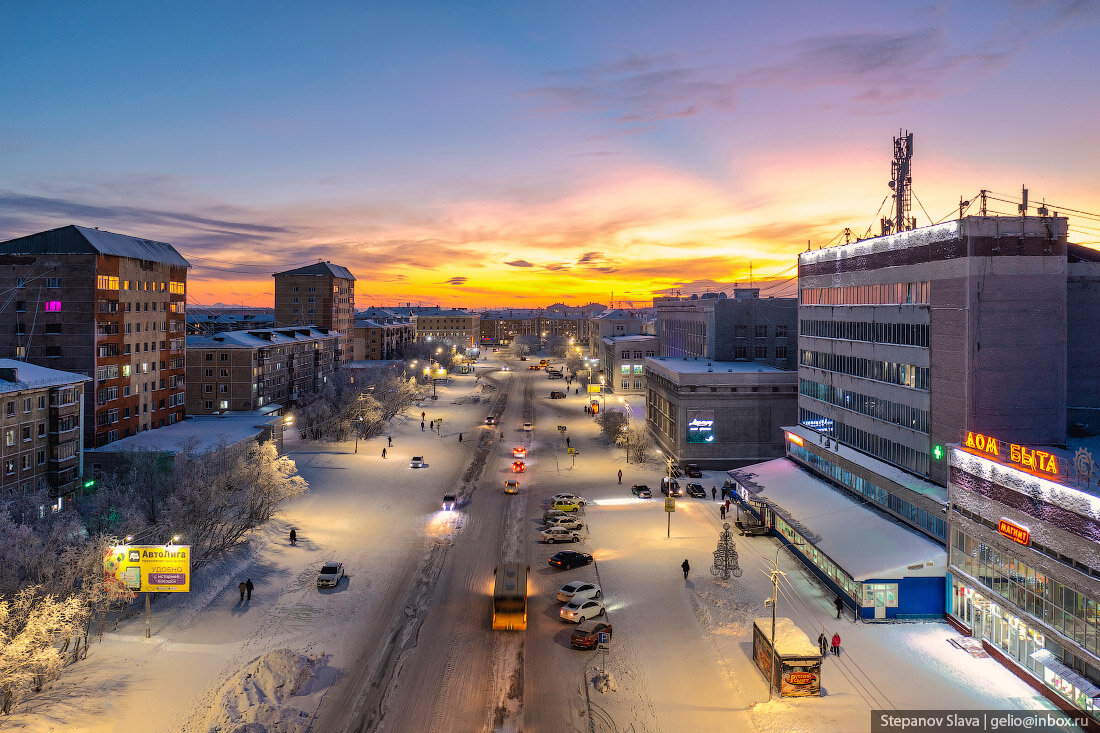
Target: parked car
{"type": "Point", "coordinates": [587, 634]}
{"type": "Point", "coordinates": [566, 520]}
{"type": "Point", "coordinates": [450, 501]}
{"type": "Point", "coordinates": [671, 487]}
{"type": "Point", "coordinates": [490, 420]}
{"type": "Point", "coordinates": [551, 513]}
{"type": "Point", "coordinates": [566, 505]}
{"type": "Point", "coordinates": [330, 575]}
{"type": "Point", "coordinates": [579, 609]}
{"type": "Point", "coordinates": [417, 462]}
{"type": "Point", "coordinates": [518, 466]}
{"type": "Point", "coordinates": [578, 589]}
{"type": "Point", "coordinates": [697, 491]}
{"type": "Point", "coordinates": [693, 471]}
{"type": "Point", "coordinates": [568, 559]}
{"type": "Point", "coordinates": [519, 452]}
{"type": "Point", "coordinates": [556, 395]}
{"type": "Point", "coordinates": [559, 534]}
{"type": "Point", "coordinates": [641, 491]}
{"type": "Point", "coordinates": [570, 497]}
{"type": "Point", "coordinates": [523, 358]}
{"type": "Point", "coordinates": [528, 427]}
{"type": "Point", "coordinates": [511, 487]}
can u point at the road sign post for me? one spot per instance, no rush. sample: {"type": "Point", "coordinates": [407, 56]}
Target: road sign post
{"type": "Point", "coordinates": [604, 640]}
{"type": "Point", "coordinates": [670, 507]}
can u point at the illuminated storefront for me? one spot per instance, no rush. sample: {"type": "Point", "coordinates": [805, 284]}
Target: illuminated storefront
{"type": "Point", "coordinates": [1023, 572]}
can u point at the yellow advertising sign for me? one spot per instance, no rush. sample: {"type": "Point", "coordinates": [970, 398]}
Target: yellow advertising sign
{"type": "Point", "coordinates": [594, 388]}
{"type": "Point", "coordinates": [151, 568]}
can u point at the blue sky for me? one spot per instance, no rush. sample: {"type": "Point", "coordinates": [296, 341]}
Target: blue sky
{"type": "Point", "coordinates": [491, 153]}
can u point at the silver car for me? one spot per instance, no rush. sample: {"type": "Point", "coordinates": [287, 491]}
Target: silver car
{"type": "Point", "coordinates": [559, 534]}
{"type": "Point", "coordinates": [330, 575]}
{"type": "Point", "coordinates": [578, 589]}
{"type": "Point", "coordinates": [568, 521]}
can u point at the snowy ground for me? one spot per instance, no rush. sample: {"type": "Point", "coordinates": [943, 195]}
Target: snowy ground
{"type": "Point", "coordinates": [680, 656]}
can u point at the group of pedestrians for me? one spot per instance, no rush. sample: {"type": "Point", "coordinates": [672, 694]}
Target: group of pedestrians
{"type": "Point", "coordinates": [829, 645]}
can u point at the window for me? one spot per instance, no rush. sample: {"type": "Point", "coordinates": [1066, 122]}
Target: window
{"type": "Point", "coordinates": [780, 352]}
{"type": "Point", "coordinates": [9, 409]}
{"type": "Point", "coordinates": [40, 457]}
{"type": "Point", "coordinates": [20, 306]}
{"type": "Point", "coordinates": [53, 306]}
{"type": "Point", "coordinates": [208, 373]}
{"type": "Point", "coordinates": [9, 437]}
{"type": "Point", "coordinates": [20, 282]}
{"type": "Point", "coordinates": [223, 405]}
{"type": "Point", "coordinates": [208, 388]}
{"type": "Point", "coordinates": [26, 433]}
{"type": "Point", "coordinates": [41, 429]}
{"type": "Point", "coordinates": [740, 331]}
{"type": "Point", "coordinates": [208, 404]}
{"type": "Point", "coordinates": [27, 404]}
{"type": "Point", "coordinates": [224, 356]}
{"type": "Point", "coordinates": [53, 282]}
{"type": "Point", "coordinates": [209, 356]}
{"type": "Point", "coordinates": [760, 332]}
{"type": "Point", "coordinates": [224, 373]}
{"type": "Point", "coordinates": [9, 466]}
{"type": "Point", "coordinates": [740, 352]}
{"type": "Point", "coordinates": [780, 332]}
{"type": "Point", "coordinates": [760, 352]}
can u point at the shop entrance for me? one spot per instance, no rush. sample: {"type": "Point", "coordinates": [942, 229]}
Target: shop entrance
{"type": "Point", "coordinates": [880, 604]}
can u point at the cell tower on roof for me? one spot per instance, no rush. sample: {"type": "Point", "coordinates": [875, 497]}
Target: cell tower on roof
{"type": "Point", "coordinates": [901, 182]}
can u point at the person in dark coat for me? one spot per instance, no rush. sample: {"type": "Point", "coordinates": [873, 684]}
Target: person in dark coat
{"type": "Point", "coordinates": [839, 606]}
{"type": "Point", "coordinates": [422, 426]}
{"type": "Point", "coordinates": [460, 437]}
{"type": "Point", "coordinates": [620, 476]}
{"type": "Point", "coordinates": [242, 587]}
{"type": "Point", "coordinates": [248, 586]}
{"type": "Point", "coordinates": [293, 536]}
{"type": "Point", "coordinates": [836, 645]}
{"type": "Point", "coordinates": [685, 567]}
{"type": "Point", "coordinates": [390, 439]}
{"type": "Point", "coordinates": [383, 452]}
{"type": "Point", "coordinates": [713, 493]}
{"type": "Point", "coordinates": [823, 643]}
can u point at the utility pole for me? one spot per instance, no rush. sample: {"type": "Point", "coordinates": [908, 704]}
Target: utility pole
{"type": "Point", "coordinates": [775, 596]}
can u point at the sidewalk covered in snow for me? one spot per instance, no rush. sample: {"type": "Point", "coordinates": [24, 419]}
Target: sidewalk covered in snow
{"type": "Point", "coordinates": [882, 567]}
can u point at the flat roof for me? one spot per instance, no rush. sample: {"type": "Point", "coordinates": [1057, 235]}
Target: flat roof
{"type": "Point", "coordinates": [32, 376]}
{"type": "Point", "coordinates": [864, 543]}
{"type": "Point", "coordinates": [201, 432]}
{"type": "Point", "coordinates": [702, 366]}
{"type": "Point", "coordinates": [628, 338]}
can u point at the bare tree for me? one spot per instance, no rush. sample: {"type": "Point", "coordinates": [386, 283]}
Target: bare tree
{"type": "Point", "coordinates": [636, 442]}
{"type": "Point", "coordinates": [612, 423]}
{"type": "Point", "coordinates": [556, 345]}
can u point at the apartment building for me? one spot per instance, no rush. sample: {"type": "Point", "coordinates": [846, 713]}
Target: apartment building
{"type": "Point", "coordinates": [379, 338]}
{"type": "Point", "coordinates": [41, 422]}
{"type": "Point", "coordinates": [322, 294]}
{"type": "Point", "coordinates": [105, 305]}
{"type": "Point", "coordinates": [445, 326]}
{"type": "Point", "coordinates": [243, 371]}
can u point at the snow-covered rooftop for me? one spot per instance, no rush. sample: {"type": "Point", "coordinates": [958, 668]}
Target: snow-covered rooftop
{"type": "Point", "coordinates": [201, 432]}
{"type": "Point", "coordinates": [258, 337]}
{"type": "Point", "coordinates": [790, 641]}
{"type": "Point", "coordinates": [629, 338]}
{"type": "Point", "coordinates": [32, 376]}
{"type": "Point", "coordinates": [702, 366]}
{"type": "Point", "coordinates": [73, 239]}
{"type": "Point", "coordinates": [321, 268]}
{"type": "Point", "coordinates": [864, 543]}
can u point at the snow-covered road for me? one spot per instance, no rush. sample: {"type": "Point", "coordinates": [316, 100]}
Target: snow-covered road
{"type": "Point", "coordinates": [403, 644]}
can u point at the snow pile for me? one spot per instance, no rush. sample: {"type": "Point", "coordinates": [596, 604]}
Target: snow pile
{"type": "Point", "coordinates": [257, 697]}
{"type": "Point", "coordinates": [790, 641]}
{"type": "Point", "coordinates": [604, 681]}
{"type": "Point", "coordinates": [723, 608]}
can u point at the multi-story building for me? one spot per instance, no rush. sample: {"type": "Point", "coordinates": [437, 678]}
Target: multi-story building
{"type": "Point", "coordinates": [250, 370]}
{"type": "Point", "coordinates": [381, 338]}
{"type": "Point", "coordinates": [459, 328]}
{"type": "Point", "coordinates": [622, 362]}
{"type": "Point", "coordinates": [321, 294]}
{"type": "Point", "coordinates": [1024, 572]}
{"type": "Point", "coordinates": [211, 320]}
{"type": "Point", "coordinates": [109, 306]}
{"type": "Point", "coordinates": [616, 322]}
{"type": "Point", "coordinates": [41, 422]}
{"type": "Point", "coordinates": [744, 327]}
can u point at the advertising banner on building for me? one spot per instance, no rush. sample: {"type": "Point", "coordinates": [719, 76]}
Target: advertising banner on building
{"type": "Point", "coordinates": [151, 568]}
{"type": "Point", "coordinates": [700, 426]}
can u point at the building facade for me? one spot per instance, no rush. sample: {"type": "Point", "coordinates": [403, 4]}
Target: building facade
{"type": "Point", "coordinates": [322, 294]}
{"type": "Point", "coordinates": [41, 422]}
{"type": "Point", "coordinates": [444, 326]}
{"type": "Point", "coordinates": [1024, 572]}
{"type": "Point", "coordinates": [108, 306]}
{"type": "Point", "coordinates": [615, 322]}
{"type": "Point", "coordinates": [718, 414]}
{"type": "Point", "coordinates": [622, 362]}
{"type": "Point", "coordinates": [244, 371]}
{"type": "Point", "coordinates": [381, 338]}
{"type": "Point", "coordinates": [744, 327]}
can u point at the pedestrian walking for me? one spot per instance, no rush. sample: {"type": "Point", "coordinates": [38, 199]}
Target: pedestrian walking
{"type": "Point", "coordinates": [422, 416]}
{"type": "Point", "coordinates": [248, 586]}
{"type": "Point", "coordinates": [390, 439]}
{"type": "Point", "coordinates": [293, 536]}
{"type": "Point", "coordinates": [727, 505]}
{"type": "Point", "coordinates": [685, 567]}
{"type": "Point", "coordinates": [383, 452]}
{"type": "Point", "coordinates": [620, 477]}
{"type": "Point", "coordinates": [839, 606]}
{"type": "Point", "coordinates": [460, 437]}
{"type": "Point", "coordinates": [422, 426]}
{"type": "Point", "coordinates": [713, 493]}
{"type": "Point", "coordinates": [722, 509]}
{"type": "Point", "coordinates": [577, 390]}
{"type": "Point", "coordinates": [836, 645]}
{"type": "Point", "coordinates": [567, 442]}
{"type": "Point", "coordinates": [431, 425]}
{"type": "Point", "coordinates": [242, 587]}
{"type": "Point", "coordinates": [823, 643]}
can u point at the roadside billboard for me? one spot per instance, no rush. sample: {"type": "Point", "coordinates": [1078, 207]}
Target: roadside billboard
{"type": "Point", "coordinates": [150, 568]}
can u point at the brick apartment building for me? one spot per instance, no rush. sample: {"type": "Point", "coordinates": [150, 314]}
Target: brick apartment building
{"type": "Point", "coordinates": [108, 306]}
{"type": "Point", "coordinates": [322, 294]}
{"type": "Point", "coordinates": [249, 370]}
{"type": "Point", "coordinates": [40, 427]}
{"type": "Point", "coordinates": [379, 338]}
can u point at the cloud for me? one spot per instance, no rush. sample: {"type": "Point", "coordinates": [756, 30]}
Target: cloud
{"type": "Point", "coordinates": [519, 263]}
{"type": "Point", "coordinates": [590, 257]}
{"type": "Point", "coordinates": [455, 281]}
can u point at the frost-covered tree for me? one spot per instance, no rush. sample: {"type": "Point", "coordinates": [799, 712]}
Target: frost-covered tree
{"type": "Point", "coordinates": [573, 363]}
{"type": "Point", "coordinates": [556, 345]}
{"type": "Point", "coordinates": [524, 344]}
{"type": "Point", "coordinates": [636, 442]}
{"type": "Point", "coordinates": [612, 423]}
{"type": "Point", "coordinates": [32, 628]}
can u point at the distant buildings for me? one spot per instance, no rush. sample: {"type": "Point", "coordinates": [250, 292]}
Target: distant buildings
{"type": "Point", "coordinates": [322, 294]}
{"type": "Point", "coordinates": [459, 328]}
{"type": "Point", "coordinates": [242, 371]}
{"type": "Point", "coordinates": [215, 320]}
{"type": "Point", "coordinates": [501, 326]}
{"type": "Point", "coordinates": [615, 322]}
{"type": "Point", "coordinates": [108, 306]}
{"type": "Point", "coordinates": [41, 429]}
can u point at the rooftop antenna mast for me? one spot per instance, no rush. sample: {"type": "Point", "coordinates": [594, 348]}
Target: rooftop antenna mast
{"type": "Point", "coordinates": [901, 182]}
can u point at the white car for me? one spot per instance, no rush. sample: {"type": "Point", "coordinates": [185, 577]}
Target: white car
{"type": "Point", "coordinates": [559, 534]}
{"type": "Point", "coordinates": [575, 589]}
{"type": "Point", "coordinates": [569, 497]}
{"type": "Point", "coordinates": [330, 575]}
{"type": "Point", "coordinates": [580, 609]}
{"type": "Point", "coordinates": [417, 462]}
{"type": "Point", "coordinates": [567, 521]}
{"type": "Point", "coordinates": [528, 427]}
{"type": "Point", "coordinates": [551, 513]}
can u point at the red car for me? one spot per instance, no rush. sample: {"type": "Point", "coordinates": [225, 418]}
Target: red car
{"type": "Point", "coordinates": [519, 466]}
{"type": "Point", "coordinates": [587, 634]}
{"type": "Point", "coordinates": [519, 452]}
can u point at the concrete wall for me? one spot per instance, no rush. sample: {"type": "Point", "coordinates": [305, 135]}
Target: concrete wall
{"type": "Point", "coordinates": [1083, 343]}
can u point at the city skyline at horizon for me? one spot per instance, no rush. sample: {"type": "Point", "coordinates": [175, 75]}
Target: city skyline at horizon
{"type": "Point", "coordinates": [486, 157]}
